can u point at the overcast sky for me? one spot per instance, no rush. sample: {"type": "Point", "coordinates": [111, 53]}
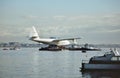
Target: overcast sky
{"type": "Point", "coordinates": [95, 21]}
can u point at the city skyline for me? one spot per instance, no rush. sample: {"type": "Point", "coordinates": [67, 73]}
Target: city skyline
{"type": "Point", "coordinates": [96, 21]}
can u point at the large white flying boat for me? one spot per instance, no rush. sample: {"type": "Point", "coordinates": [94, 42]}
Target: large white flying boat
{"type": "Point", "coordinates": [57, 42]}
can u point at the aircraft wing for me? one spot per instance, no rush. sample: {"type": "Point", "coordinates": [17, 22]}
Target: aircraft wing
{"type": "Point", "coordinates": [65, 39]}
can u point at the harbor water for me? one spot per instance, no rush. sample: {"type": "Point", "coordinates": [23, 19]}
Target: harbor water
{"type": "Point", "coordinates": [31, 63]}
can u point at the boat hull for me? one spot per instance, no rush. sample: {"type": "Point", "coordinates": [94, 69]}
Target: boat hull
{"type": "Point", "coordinates": [86, 66]}
{"type": "Point", "coordinates": [83, 49]}
{"type": "Point", "coordinates": [50, 49]}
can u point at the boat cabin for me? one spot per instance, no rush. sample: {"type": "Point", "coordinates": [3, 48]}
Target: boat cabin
{"type": "Point", "coordinates": [108, 58]}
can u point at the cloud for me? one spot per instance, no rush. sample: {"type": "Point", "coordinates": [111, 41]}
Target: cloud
{"type": "Point", "coordinates": [30, 17]}
{"type": "Point", "coordinates": [107, 30]}
{"type": "Point", "coordinates": [59, 17]}
{"type": "Point", "coordinates": [76, 20]}
{"type": "Point", "coordinates": [4, 33]}
{"type": "Point", "coordinates": [92, 23]}
{"type": "Point", "coordinates": [11, 30]}
{"type": "Point", "coordinates": [103, 23]}
{"type": "Point", "coordinates": [36, 17]}
{"type": "Point", "coordinates": [64, 25]}
{"type": "Point", "coordinates": [96, 20]}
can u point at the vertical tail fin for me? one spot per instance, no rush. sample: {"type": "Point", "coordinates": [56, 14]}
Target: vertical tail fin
{"type": "Point", "coordinates": [34, 34]}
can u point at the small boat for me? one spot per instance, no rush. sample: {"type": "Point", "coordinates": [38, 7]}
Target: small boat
{"type": "Point", "coordinates": [109, 61]}
{"type": "Point", "coordinates": [14, 48]}
{"type": "Point", "coordinates": [5, 49]}
{"type": "Point", "coordinates": [85, 48]}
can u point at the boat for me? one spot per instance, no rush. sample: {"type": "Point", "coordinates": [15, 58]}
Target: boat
{"type": "Point", "coordinates": [5, 49]}
{"type": "Point", "coordinates": [109, 61]}
{"type": "Point", "coordinates": [50, 49]}
{"type": "Point", "coordinates": [85, 48]}
{"type": "Point", "coordinates": [14, 48]}
{"type": "Point", "coordinates": [11, 48]}
{"type": "Point", "coordinates": [101, 74]}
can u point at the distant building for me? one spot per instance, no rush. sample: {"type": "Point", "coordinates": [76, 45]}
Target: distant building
{"type": "Point", "coordinates": [14, 44]}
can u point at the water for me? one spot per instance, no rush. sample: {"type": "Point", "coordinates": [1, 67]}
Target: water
{"type": "Point", "coordinates": [31, 63]}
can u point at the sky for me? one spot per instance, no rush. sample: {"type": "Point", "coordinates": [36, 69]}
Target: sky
{"type": "Point", "coordinates": [95, 21]}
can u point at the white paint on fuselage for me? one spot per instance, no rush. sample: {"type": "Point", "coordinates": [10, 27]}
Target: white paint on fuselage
{"type": "Point", "coordinates": [51, 41]}
{"type": "Point", "coordinates": [64, 42]}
